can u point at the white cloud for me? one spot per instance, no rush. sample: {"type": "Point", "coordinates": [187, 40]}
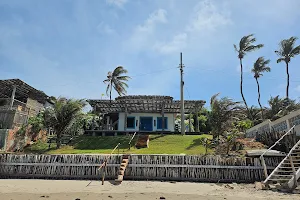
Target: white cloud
{"type": "Point", "coordinates": [143, 35]}
{"type": "Point", "coordinates": [175, 45]}
{"type": "Point", "coordinates": [297, 88]}
{"type": "Point", "coordinates": [158, 16]}
{"type": "Point", "coordinates": [105, 28]}
{"type": "Point", "coordinates": [118, 3]}
{"type": "Point", "coordinates": [208, 17]}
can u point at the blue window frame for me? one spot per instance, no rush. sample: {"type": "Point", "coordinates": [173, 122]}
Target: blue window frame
{"type": "Point", "coordinates": [131, 122]}
{"type": "Point", "coordinates": [159, 123]}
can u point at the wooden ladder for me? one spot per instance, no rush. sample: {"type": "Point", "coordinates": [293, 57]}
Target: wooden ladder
{"type": "Point", "coordinates": [125, 160]}
{"type": "Point", "coordinates": [287, 172]}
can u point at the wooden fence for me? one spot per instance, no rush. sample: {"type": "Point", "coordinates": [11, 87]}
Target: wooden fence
{"type": "Point", "coordinates": [141, 167]}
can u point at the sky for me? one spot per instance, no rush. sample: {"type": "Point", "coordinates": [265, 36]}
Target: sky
{"type": "Point", "coordinates": [66, 47]}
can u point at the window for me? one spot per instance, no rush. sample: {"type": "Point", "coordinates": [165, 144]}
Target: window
{"type": "Point", "coordinates": [130, 122]}
{"type": "Point", "coordinates": [159, 123]}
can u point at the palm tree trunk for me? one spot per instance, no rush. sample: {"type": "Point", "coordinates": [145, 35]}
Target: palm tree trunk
{"type": "Point", "coordinates": [58, 140]}
{"type": "Point", "coordinates": [110, 93]}
{"type": "Point", "coordinates": [288, 80]}
{"type": "Point", "coordinates": [258, 91]}
{"type": "Point", "coordinates": [241, 88]}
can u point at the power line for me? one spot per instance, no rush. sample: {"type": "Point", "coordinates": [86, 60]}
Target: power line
{"type": "Point", "coordinates": [138, 75]}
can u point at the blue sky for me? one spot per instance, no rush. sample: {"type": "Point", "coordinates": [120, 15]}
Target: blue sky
{"type": "Point", "coordinates": [66, 47]}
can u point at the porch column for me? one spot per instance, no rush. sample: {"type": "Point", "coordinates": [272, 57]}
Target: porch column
{"type": "Point", "coordinates": [107, 122]}
{"type": "Point", "coordinates": [13, 97]}
{"type": "Point", "coordinates": [125, 119]}
{"type": "Point", "coordinates": [163, 117]}
{"type": "Point", "coordinates": [190, 123]}
{"type": "Point", "coordinates": [197, 120]}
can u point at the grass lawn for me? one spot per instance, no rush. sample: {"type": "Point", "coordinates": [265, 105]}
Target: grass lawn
{"type": "Point", "coordinates": [159, 144]}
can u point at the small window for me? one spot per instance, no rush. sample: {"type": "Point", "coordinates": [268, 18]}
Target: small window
{"type": "Point", "coordinates": [130, 122]}
{"type": "Point", "coordinates": [159, 123]}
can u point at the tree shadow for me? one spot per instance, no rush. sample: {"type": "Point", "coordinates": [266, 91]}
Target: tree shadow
{"type": "Point", "coordinates": [196, 142]}
{"type": "Point", "coordinates": [156, 137]}
{"type": "Point", "coordinates": [101, 142]}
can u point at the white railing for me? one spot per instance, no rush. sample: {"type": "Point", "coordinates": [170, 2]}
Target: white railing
{"type": "Point", "coordinates": [131, 140]}
{"type": "Point", "coordinates": [262, 155]}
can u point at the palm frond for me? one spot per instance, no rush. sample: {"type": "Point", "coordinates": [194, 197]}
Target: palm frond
{"type": "Point", "coordinates": [118, 71]}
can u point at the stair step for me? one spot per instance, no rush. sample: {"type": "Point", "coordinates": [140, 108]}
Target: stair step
{"type": "Point", "coordinates": [280, 175]}
{"type": "Point", "coordinates": [280, 180]}
{"type": "Point", "coordinates": [283, 171]}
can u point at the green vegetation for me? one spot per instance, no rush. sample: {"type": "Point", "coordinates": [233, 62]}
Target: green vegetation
{"type": "Point", "coordinates": [159, 144]}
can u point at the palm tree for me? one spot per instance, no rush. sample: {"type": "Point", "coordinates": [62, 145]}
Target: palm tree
{"type": "Point", "coordinates": [259, 67]}
{"type": "Point", "coordinates": [62, 116]}
{"type": "Point", "coordinates": [246, 45]}
{"type": "Point", "coordinates": [287, 50]}
{"type": "Point", "coordinates": [223, 113]}
{"type": "Point", "coordinates": [117, 80]}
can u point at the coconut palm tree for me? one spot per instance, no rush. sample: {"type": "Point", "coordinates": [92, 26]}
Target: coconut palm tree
{"type": "Point", "coordinates": [223, 113]}
{"type": "Point", "coordinates": [245, 46]}
{"type": "Point", "coordinates": [62, 116]}
{"type": "Point", "coordinates": [259, 67]}
{"type": "Point", "coordinates": [117, 80]}
{"type": "Point", "coordinates": [287, 50]}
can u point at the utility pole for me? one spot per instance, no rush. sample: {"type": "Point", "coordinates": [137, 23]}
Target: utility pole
{"type": "Point", "coordinates": [181, 95]}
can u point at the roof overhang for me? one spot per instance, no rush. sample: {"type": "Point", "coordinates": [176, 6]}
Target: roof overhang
{"type": "Point", "coordinates": [145, 104]}
{"type": "Point", "coordinates": [23, 91]}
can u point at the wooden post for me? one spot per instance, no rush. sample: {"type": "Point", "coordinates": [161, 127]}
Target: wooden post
{"type": "Point", "coordinates": [264, 166]}
{"type": "Point", "coordinates": [190, 123]}
{"type": "Point", "coordinates": [13, 96]}
{"type": "Point", "coordinates": [125, 119]}
{"type": "Point", "coordinates": [103, 172]}
{"type": "Point", "coordinates": [163, 117]}
{"type": "Point", "coordinates": [107, 122]}
{"type": "Point", "coordinates": [294, 171]}
{"type": "Point", "coordinates": [197, 120]}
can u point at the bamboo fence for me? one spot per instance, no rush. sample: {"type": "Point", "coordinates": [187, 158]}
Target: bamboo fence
{"type": "Point", "coordinates": [141, 167]}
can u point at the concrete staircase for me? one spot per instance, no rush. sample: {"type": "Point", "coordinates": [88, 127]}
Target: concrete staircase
{"type": "Point", "coordinates": [125, 160]}
{"type": "Point", "coordinates": [287, 173]}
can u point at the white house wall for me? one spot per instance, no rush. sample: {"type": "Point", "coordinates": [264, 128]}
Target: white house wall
{"type": "Point", "coordinates": [171, 120]}
{"type": "Point", "coordinates": [282, 124]}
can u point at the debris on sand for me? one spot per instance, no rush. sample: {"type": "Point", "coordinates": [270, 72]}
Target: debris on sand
{"type": "Point", "coordinates": [162, 198]}
{"type": "Point", "coordinates": [228, 186]}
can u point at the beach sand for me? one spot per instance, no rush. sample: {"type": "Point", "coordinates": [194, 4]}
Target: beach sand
{"type": "Point", "coordinates": [15, 189]}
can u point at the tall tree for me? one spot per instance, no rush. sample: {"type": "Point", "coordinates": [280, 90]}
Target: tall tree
{"type": "Point", "coordinates": [246, 45]}
{"type": "Point", "coordinates": [62, 116]}
{"type": "Point", "coordinates": [259, 67]}
{"type": "Point", "coordinates": [117, 80]}
{"type": "Point", "coordinates": [287, 50]}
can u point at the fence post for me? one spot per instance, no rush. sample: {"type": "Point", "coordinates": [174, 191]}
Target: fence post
{"type": "Point", "coordinates": [264, 166]}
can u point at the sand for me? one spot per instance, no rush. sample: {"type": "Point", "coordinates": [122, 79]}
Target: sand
{"type": "Point", "coordinates": [14, 189]}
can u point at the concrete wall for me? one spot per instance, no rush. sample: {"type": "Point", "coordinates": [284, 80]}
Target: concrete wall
{"type": "Point", "coordinates": [282, 124]}
{"type": "Point", "coordinates": [170, 116]}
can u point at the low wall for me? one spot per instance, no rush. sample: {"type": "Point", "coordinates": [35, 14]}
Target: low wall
{"type": "Point", "coordinates": [141, 167]}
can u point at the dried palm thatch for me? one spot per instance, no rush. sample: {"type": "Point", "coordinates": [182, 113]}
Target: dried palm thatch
{"type": "Point", "coordinates": [141, 167]}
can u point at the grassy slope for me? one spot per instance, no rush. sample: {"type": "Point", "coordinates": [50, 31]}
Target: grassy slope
{"type": "Point", "coordinates": [159, 144]}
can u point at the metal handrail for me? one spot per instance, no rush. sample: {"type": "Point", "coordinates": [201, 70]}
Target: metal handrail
{"type": "Point", "coordinates": [289, 154]}
{"type": "Point", "coordinates": [262, 155]}
{"type": "Point", "coordinates": [277, 141]}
